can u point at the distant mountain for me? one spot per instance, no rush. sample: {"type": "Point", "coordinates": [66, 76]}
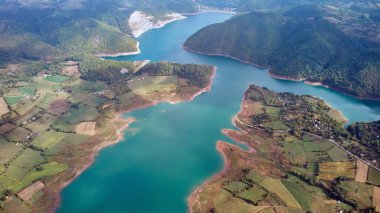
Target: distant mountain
{"type": "Point", "coordinates": [312, 42]}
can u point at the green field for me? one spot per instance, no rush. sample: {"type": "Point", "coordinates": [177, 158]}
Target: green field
{"type": "Point", "coordinates": [48, 139]}
{"type": "Point", "coordinates": [254, 194]}
{"type": "Point", "coordinates": [358, 191]}
{"type": "Point", "coordinates": [16, 172]}
{"type": "Point", "coordinates": [45, 170]}
{"type": "Point", "coordinates": [337, 154]}
{"type": "Point", "coordinates": [27, 90]}
{"type": "Point", "coordinates": [300, 194]}
{"type": "Point", "coordinates": [8, 150]}
{"type": "Point", "coordinates": [57, 78]}
{"type": "Point", "coordinates": [275, 186]}
{"type": "Point", "coordinates": [42, 124]}
{"type": "Point", "coordinates": [236, 186]}
{"type": "Point", "coordinates": [254, 176]}
{"type": "Point", "coordinates": [295, 151]}
{"type": "Point", "coordinates": [276, 125]}
{"type": "Point", "coordinates": [84, 113]}
{"type": "Point", "coordinates": [373, 176]}
{"type": "Point", "coordinates": [29, 158]}
{"type": "Point", "coordinates": [150, 84]}
{"type": "Point", "coordinates": [318, 145]}
{"type": "Point", "coordinates": [273, 112]}
{"type": "Point", "coordinates": [12, 100]}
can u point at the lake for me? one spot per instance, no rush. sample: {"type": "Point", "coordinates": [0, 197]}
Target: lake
{"type": "Point", "coordinates": [171, 149]}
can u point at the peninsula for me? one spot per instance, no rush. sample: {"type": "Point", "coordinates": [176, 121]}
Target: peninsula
{"type": "Point", "coordinates": [300, 159]}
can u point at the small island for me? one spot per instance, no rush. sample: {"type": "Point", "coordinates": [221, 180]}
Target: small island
{"type": "Point", "coordinates": [300, 158]}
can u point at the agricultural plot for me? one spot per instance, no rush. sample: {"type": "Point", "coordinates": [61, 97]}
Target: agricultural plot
{"type": "Point", "coordinates": [49, 98]}
{"type": "Point", "coordinates": [317, 157]}
{"type": "Point", "coordinates": [48, 139]}
{"type": "Point", "coordinates": [18, 134]}
{"type": "Point", "coordinates": [28, 159]}
{"type": "Point", "coordinates": [320, 204]}
{"type": "Point", "coordinates": [46, 170]}
{"type": "Point", "coordinates": [27, 90]}
{"type": "Point", "coordinates": [62, 126]}
{"type": "Point", "coordinates": [299, 193]}
{"type": "Point", "coordinates": [16, 173]}
{"type": "Point", "coordinates": [42, 123]}
{"type": "Point", "coordinates": [7, 127]}
{"type": "Point", "coordinates": [373, 176]}
{"type": "Point", "coordinates": [57, 78]}
{"type": "Point", "coordinates": [86, 128]}
{"type": "Point", "coordinates": [276, 125]}
{"type": "Point", "coordinates": [83, 113]}
{"type": "Point", "coordinates": [254, 176]}
{"type": "Point", "coordinates": [254, 194]}
{"type": "Point", "coordinates": [331, 170]}
{"type": "Point", "coordinates": [310, 170]}
{"type": "Point", "coordinates": [236, 186]}
{"type": "Point", "coordinates": [27, 193]}
{"type": "Point", "coordinates": [295, 151]}
{"type": "Point", "coordinates": [273, 112]}
{"type": "Point", "coordinates": [8, 150]}
{"type": "Point", "coordinates": [3, 107]}
{"type": "Point", "coordinates": [44, 86]}
{"type": "Point", "coordinates": [68, 138]}
{"type": "Point", "coordinates": [9, 183]}
{"type": "Point", "coordinates": [275, 186]}
{"type": "Point", "coordinates": [13, 100]}
{"type": "Point", "coordinates": [87, 86]}
{"type": "Point", "coordinates": [358, 191]}
{"type": "Point", "coordinates": [28, 105]}
{"type": "Point", "coordinates": [317, 145]}
{"type": "Point", "coordinates": [361, 171]}
{"type": "Point", "coordinates": [337, 154]}
{"type": "Point", "coordinates": [376, 198]}
{"type": "Point", "coordinates": [151, 84]}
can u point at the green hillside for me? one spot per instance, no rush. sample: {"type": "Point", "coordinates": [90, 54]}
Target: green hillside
{"type": "Point", "coordinates": [298, 43]}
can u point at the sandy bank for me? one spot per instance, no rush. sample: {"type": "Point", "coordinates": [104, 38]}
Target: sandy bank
{"type": "Point", "coordinates": [138, 51]}
{"type": "Point", "coordinates": [140, 22]}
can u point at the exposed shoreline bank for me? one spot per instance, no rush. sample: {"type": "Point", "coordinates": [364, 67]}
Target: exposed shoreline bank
{"type": "Point", "coordinates": [94, 152]}
{"type": "Point", "coordinates": [138, 51]}
{"type": "Point", "coordinates": [194, 196]}
{"type": "Point", "coordinates": [140, 22]}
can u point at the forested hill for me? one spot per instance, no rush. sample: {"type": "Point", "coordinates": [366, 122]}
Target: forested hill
{"type": "Point", "coordinates": [307, 41]}
{"type": "Point", "coordinates": [45, 30]}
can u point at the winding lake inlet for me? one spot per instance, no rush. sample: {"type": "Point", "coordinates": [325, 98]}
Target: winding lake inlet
{"type": "Point", "coordinates": [171, 148]}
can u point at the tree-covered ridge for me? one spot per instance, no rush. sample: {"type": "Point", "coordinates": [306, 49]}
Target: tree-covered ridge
{"type": "Point", "coordinates": [198, 75]}
{"type": "Point", "coordinates": [298, 43]}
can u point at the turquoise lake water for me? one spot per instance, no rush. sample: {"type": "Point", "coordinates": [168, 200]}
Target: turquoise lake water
{"type": "Point", "coordinates": [171, 148]}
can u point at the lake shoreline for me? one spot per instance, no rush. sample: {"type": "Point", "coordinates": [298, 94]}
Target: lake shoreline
{"type": "Point", "coordinates": [117, 54]}
{"type": "Point", "coordinates": [286, 78]}
{"type": "Point", "coordinates": [118, 117]}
